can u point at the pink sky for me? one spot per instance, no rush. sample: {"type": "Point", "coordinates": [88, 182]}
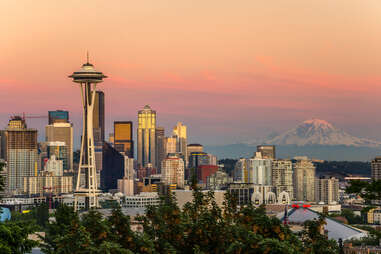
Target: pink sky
{"type": "Point", "coordinates": [230, 70]}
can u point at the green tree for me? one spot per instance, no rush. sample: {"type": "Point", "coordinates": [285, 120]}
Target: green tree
{"type": "Point", "coordinates": [351, 217]}
{"type": "Point", "coordinates": [64, 217]}
{"type": "Point", "coordinates": [314, 238]}
{"type": "Point", "coordinates": [369, 191]}
{"type": "Point", "coordinates": [14, 234]}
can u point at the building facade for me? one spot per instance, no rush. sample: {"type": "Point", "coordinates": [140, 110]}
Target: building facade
{"type": "Point", "coordinates": [327, 190]}
{"type": "Point", "coordinates": [160, 146]}
{"type": "Point", "coordinates": [260, 170]}
{"type": "Point", "coordinates": [218, 181]}
{"type": "Point", "coordinates": [46, 183]}
{"type": "Point", "coordinates": [172, 171]}
{"type": "Point", "coordinates": [99, 118]}
{"type": "Point", "coordinates": [267, 151]}
{"type": "Point", "coordinates": [246, 193]}
{"type": "Point", "coordinates": [282, 176]}
{"type": "Point", "coordinates": [241, 173]}
{"type": "Point", "coordinates": [59, 116]}
{"type": "Point", "coordinates": [22, 154]}
{"type": "Point", "coordinates": [123, 138]}
{"type": "Point", "coordinates": [54, 166]}
{"type": "Point", "coordinates": [170, 145]}
{"type": "Point", "coordinates": [376, 168]}
{"type": "Point", "coordinates": [113, 168]}
{"type": "Point", "coordinates": [304, 180]}
{"type": "Point", "coordinates": [62, 132]}
{"type": "Point", "coordinates": [180, 133]}
{"type": "Point", "coordinates": [146, 136]}
{"type": "Point", "coordinates": [205, 171]}
{"type": "Point", "coordinates": [58, 149]}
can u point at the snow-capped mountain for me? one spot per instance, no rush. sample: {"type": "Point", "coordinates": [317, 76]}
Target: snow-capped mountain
{"type": "Point", "coordinates": [319, 132]}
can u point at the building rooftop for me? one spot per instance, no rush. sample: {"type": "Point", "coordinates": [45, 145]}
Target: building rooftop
{"type": "Point", "coordinates": [336, 230]}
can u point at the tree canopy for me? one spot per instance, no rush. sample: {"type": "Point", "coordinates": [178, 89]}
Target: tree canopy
{"type": "Point", "coordinates": [200, 227]}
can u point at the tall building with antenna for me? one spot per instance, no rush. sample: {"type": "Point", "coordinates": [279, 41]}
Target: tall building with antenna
{"type": "Point", "coordinates": [88, 78]}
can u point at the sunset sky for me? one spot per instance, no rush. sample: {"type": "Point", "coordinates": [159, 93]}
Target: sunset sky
{"type": "Point", "coordinates": [230, 70]}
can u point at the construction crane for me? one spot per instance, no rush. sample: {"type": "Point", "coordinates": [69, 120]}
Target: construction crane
{"type": "Point", "coordinates": [24, 116]}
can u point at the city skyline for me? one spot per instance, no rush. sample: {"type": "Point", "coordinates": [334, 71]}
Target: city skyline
{"type": "Point", "coordinates": [324, 68]}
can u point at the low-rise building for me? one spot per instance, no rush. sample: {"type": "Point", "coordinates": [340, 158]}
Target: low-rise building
{"type": "Point", "coordinates": [217, 181]}
{"type": "Point", "coordinates": [144, 199]}
{"type": "Point", "coordinates": [374, 216]}
{"type": "Point", "coordinates": [47, 183]}
{"type": "Point", "coordinates": [185, 196]}
{"type": "Point", "coordinates": [256, 194]}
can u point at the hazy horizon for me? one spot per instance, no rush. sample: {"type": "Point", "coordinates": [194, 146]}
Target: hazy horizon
{"type": "Point", "coordinates": [229, 71]}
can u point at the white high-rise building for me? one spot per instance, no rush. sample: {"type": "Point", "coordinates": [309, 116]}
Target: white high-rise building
{"type": "Point", "coordinates": [254, 170]}
{"type": "Point", "coordinates": [304, 179]}
{"type": "Point", "coordinates": [327, 190]}
{"type": "Point", "coordinates": [282, 176]}
{"type": "Point", "coordinates": [260, 170]}
{"type": "Point", "coordinates": [172, 171]}
{"type": "Point", "coordinates": [54, 166]}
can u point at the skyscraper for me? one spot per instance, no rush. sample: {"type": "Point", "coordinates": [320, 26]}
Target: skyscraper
{"type": "Point", "coordinates": [113, 167]}
{"type": "Point", "coordinates": [99, 118]}
{"type": "Point", "coordinates": [146, 136]}
{"type": "Point", "coordinates": [282, 177]}
{"type": "Point", "coordinates": [58, 116]}
{"type": "Point", "coordinates": [241, 172]}
{"type": "Point", "coordinates": [170, 145]}
{"type": "Point", "coordinates": [304, 180]}
{"type": "Point", "coordinates": [21, 153]}
{"type": "Point", "coordinates": [123, 141]}
{"type": "Point", "coordinates": [160, 146]}
{"type": "Point", "coordinates": [194, 148]}
{"type": "Point", "coordinates": [260, 170]}
{"type": "Point", "coordinates": [180, 133]}
{"type": "Point", "coordinates": [376, 169]}
{"type": "Point", "coordinates": [172, 171]}
{"type": "Point", "coordinates": [327, 190]}
{"type": "Point", "coordinates": [62, 132]}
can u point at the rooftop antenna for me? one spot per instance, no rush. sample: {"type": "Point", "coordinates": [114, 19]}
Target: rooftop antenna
{"type": "Point", "coordinates": [87, 56]}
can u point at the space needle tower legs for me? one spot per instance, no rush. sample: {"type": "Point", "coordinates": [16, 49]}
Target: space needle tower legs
{"type": "Point", "coordinates": [87, 77]}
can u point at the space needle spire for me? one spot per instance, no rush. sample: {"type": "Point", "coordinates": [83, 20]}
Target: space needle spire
{"type": "Point", "coordinates": [87, 78]}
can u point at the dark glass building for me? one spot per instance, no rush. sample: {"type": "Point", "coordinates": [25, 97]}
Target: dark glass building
{"type": "Point", "coordinates": [112, 167]}
{"type": "Point", "coordinates": [99, 118]}
{"type": "Point", "coordinates": [59, 116]}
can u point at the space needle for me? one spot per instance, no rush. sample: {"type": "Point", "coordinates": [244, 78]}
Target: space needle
{"type": "Point", "coordinates": [88, 78]}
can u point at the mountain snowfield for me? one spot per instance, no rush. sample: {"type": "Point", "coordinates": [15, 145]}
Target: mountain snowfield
{"type": "Point", "coordinates": [319, 132]}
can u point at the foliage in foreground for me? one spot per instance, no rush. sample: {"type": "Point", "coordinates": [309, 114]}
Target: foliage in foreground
{"type": "Point", "coordinates": [200, 227]}
{"type": "Point", "coordinates": [14, 234]}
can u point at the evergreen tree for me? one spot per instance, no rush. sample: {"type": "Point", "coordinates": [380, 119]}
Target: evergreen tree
{"type": "Point", "coordinates": [14, 234]}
